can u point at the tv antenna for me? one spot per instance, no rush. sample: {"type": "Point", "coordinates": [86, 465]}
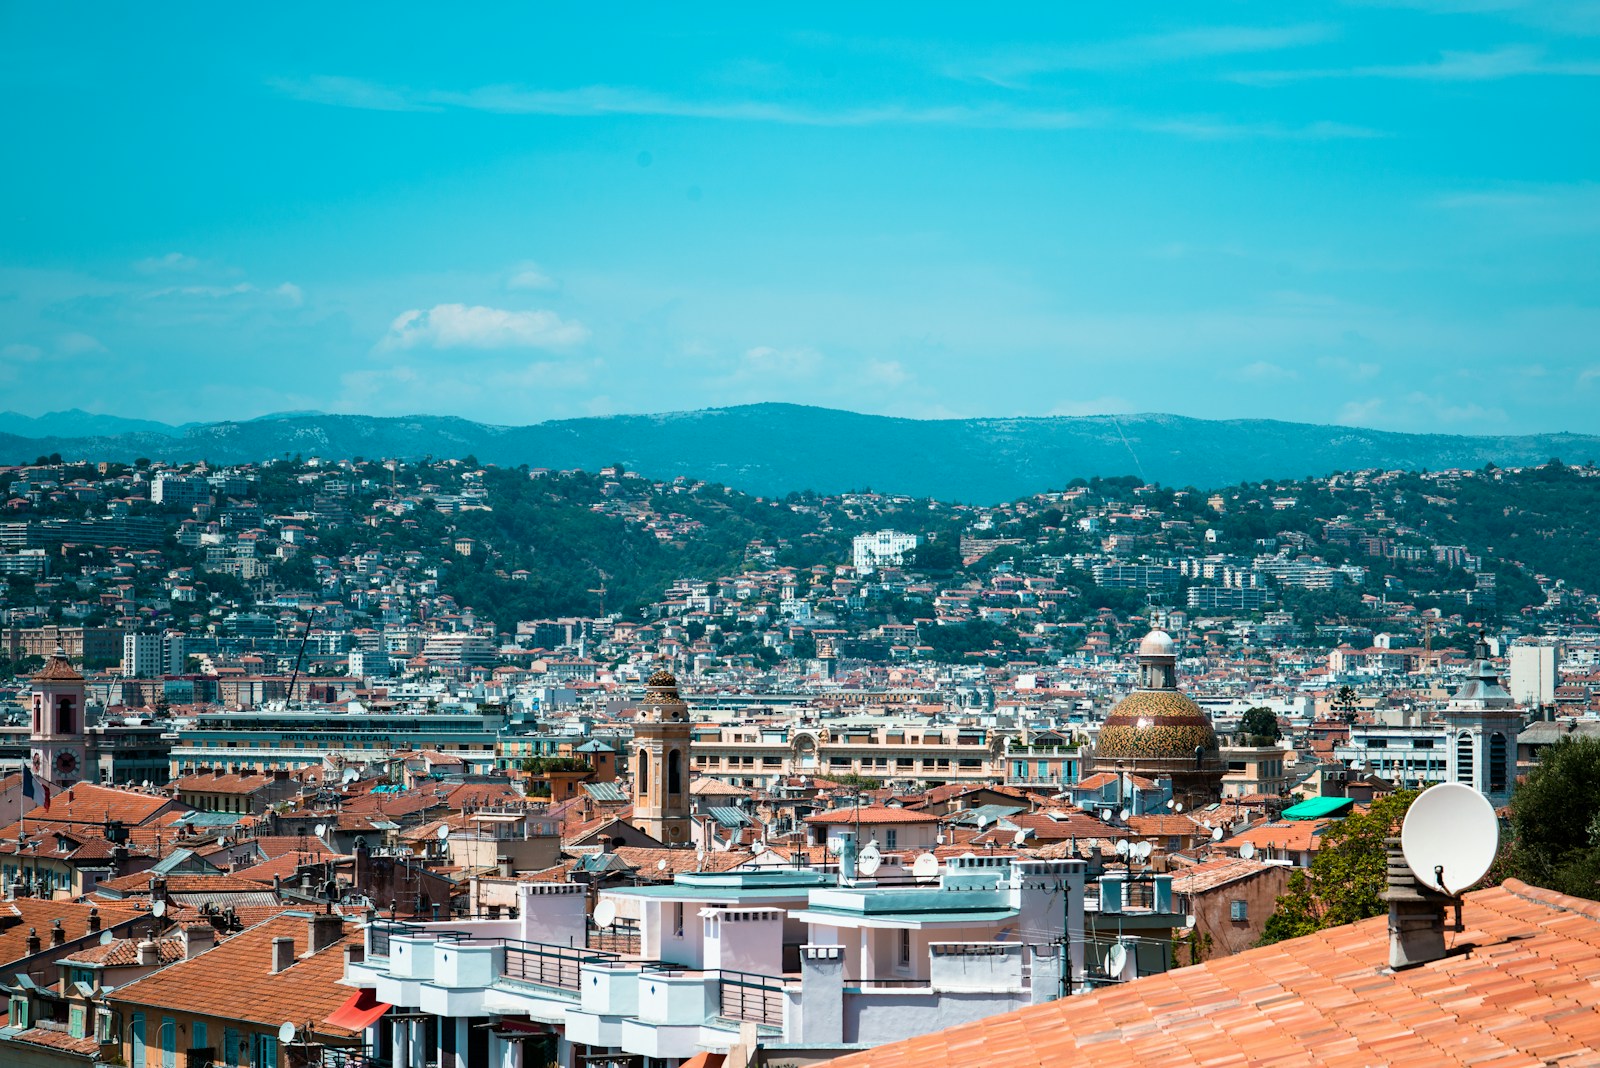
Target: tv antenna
{"type": "Point", "coordinates": [1450, 837]}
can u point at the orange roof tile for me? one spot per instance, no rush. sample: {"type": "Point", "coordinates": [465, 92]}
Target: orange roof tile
{"type": "Point", "coordinates": [1516, 990]}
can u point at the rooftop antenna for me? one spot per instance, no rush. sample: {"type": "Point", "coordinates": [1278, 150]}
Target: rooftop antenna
{"type": "Point", "coordinates": [286, 1033]}
{"type": "Point", "coordinates": [1247, 851]}
{"type": "Point", "coordinates": [925, 867]}
{"type": "Point", "coordinates": [1020, 837]}
{"type": "Point", "coordinates": [320, 829]}
{"type": "Point", "coordinates": [605, 914]}
{"type": "Point", "coordinates": [870, 860]}
{"type": "Point", "coordinates": [1122, 847]}
{"type": "Point", "coordinates": [1116, 959]}
{"type": "Point", "coordinates": [1216, 834]}
{"type": "Point", "coordinates": [1450, 837]}
{"type": "Point", "coordinates": [158, 908]}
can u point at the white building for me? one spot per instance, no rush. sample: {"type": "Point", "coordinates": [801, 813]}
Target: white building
{"type": "Point", "coordinates": [1484, 722]}
{"type": "Point", "coordinates": [150, 655]}
{"type": "Point", "coordinates": [1534, 676]}
{"type": "Point", "coordinates": [883, 548]}
{"type": "Point", "coordinates": [186, 491]}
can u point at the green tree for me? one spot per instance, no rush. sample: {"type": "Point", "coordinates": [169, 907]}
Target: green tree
{"type": "Point", "coordinates": [1555, 820]}
{"type": "Point", "coordinates": [1346, 877]}
{"type": "Point", "coordinates": [1261, 723]}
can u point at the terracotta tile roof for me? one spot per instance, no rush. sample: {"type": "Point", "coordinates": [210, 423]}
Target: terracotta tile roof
{"type": "Point", "coordinates": [1180, 824]}
{"type": "Point", "coordinates": [39, 1036]}
{"type": "Point", "coordinates": [1301, 835]}
{"type": "Point", "coordinates": [646, 861]}
{"type": "Point", "coordinates": [40, 915]}
{"type": "Point", "coordinates": [124, 952]}
{"type": "Point", "coordinates": [873, 814]}
{"type": "Point", "coordinates": [139, 884]}
{"type": "Point", "coordinates": [230, 783]}
{"type": "Point", "coordinates": [233, 980]}
{"type": "Point", "coordinates": [1214, 873]}
{"type": "Point", "coordinates": [1517, 990]}
{"type": "Point", "coordinates": [87, 803]}
{"type": "Point", "coordinates": [1101, 779]}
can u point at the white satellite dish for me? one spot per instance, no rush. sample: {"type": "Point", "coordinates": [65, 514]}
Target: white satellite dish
{"type": "Point", "coordinates": [1122, 847]}
{"type": "Point", "coordinates": [969, 855]}
{"type": "Point", "coordinates": [1206, 824]}
{"type": "Point", "coordinates": [1450, 837]}
{"type": "Point", "coordinates": [757, 847]}
{"type": "Point", "coordinates": [350, 775]}
{"type": "Point", "coordinates": [106, 938]}
{"type": "Point", "coordinates": [982, 822]}
{"type": "Point", "coordinates": [925, 866]}
{"type": "Point", "coordinates": [605, 914]}
{"type": "Point", "coordinates": [320, 829]}
{"type": "Point", "coordinates": [1116, 959]}
{"type": "Point", "coordinates": [1189, 920]}
{"type": "Point", "coordinates": [158, 909]}
{"type": "Point", "coordinates": [1123, 815]}
{"type": "Point", "coordinates": [1020, 837]}
{"type": "Point", "coordinates": [1145, 849]}
{"type": "Point", "coordinates": [869, 861]}
{"type": "Point", "coordinates": [1247, 851]}
{"type": "Point", "coordinates": [443, 833]}
{"type": "Point", "coordinates": [1178, 807]}
{"type": "Point", "coordinates": [1172, 804]}
{"type": "Point", "coordinates": [1216, 834]}
{"type": "Point", "coordinates": [661, 865]}
{"type": "Point", "coordinates": [286, 1032]}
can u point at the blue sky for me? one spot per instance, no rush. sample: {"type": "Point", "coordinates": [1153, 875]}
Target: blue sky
{"type": "Point", "coordinates": [1382, 214]}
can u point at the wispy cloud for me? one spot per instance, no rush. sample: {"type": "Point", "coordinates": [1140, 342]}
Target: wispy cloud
{"type": "Point", "coordinates": [450, 326]}
{"type": "Point", "coordinates": [594, 101]}
{"type": "Point", "coordinates": [172, 261]}
{"type": "Point", "coordinates": [1013, 66]}
{"type": "Point", "coordinates": [1511, 61]}
{"type": "Point", "coordinates": [529, 275]}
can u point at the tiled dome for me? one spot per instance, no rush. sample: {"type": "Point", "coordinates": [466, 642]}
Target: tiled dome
{"type": "Point", "coordinates": [1155, 724]}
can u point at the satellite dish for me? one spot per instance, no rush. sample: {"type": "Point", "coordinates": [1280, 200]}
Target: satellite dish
{"type": "Point", "coordinates": [605, 914]}
{"type": "Point", "coordinates": [1247, 851]}
{"type": "Point", "coordinates": [758, 847]}
{"type": "Point", "coordinates": [1178, 807]}
{"type": "Point", "coordinates": [925, 866]}
{"type": "Point", "coordinates": [1020, 837]}
{"type": "Point", "coordinates": [286, 1032]}
{"type": "Point", "coordinates": [1189, 920]}
{"type": "Point", "coordinates": [350, 775]}
{"type": "Point", "coordinates": [1116, 959]}
{"type": "Point", "coordinates": [969, 855]}
{"type": "Point", "coordinates": [1450, 837]}
{"type": "Point", "coordinates": [321, 829]}
{"type": "Point", "coordinates": [661, 865]}
{"type": "Point", "coordinates": [1172, 804]}
{"type": "Point", "coordinates": [1145, 849]}
{"type": "Point", "coordinates": [1206, 824]}
{"type": "Point", "coordinates": [443, 833]}
{"type": "Point", "coordinates": [1216, 834]}
{"type": "Point", "coordinates": [869, 861]}
{"type": "Point", "coordinates": [983, 821]}
{"type": "Point", "coordinates": [1123, 815]}
{"type": "Point", "coordinates": [1122, 847]}
{"type": "Point", "coordinates": [158, 909]}
{"type": "Point", "coordinates": [106, 938]}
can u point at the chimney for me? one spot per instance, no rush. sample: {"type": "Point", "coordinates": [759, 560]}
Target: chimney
{"type": "Point", "coordinates": [149, 954]}
{"type": "Point", "coordinates": [354, 953]}
{"type": "Point", "coordinates": [34, 945]}
{"type": "Point", "coordinates": [505, 866]}
{"type": "Point", "coordinates": [94, 919]}
{"type": "Point", "coordinates": [282, 954]}
{"type": "Point", "coordinates": [1416, 914]}
{"type": "Point", "coordinates": [325, 930]}
{"type": "Point", "coordinates": [58, 937]}
{"type": "Point", "coordinates": [197, 938]}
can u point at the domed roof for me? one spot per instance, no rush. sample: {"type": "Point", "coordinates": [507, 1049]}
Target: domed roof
{"type": "Point", "coordinates": [1158, 643]}
{"type": "Point", "coordinates": [58, 669]}
{"type": "Point", "coordinates": [1155, 725]}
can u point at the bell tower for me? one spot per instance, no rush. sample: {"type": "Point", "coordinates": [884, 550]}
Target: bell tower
{"type": "Point", "coordinates": [60, 752]}
{"type": "Point", "coordinates": [661, 735]}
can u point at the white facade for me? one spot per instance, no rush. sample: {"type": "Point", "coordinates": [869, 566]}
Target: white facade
{"type": "Point", "coordinates": [150, 655]}
{"type": "Point", "coordinates": [883, 548]}
{"type": "Point", "coordinates": [1533, 674]}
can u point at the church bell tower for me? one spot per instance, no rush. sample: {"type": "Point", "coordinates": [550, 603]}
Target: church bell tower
{"type": "Point", "coordinates": [661, 735]}
{"type": "Point", "coordinates": [60, 753]}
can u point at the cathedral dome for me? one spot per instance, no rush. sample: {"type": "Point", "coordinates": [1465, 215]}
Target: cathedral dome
{"type": "Point", "coordinates": [1155, 724]}
{"type": "Point", "coordinates": [1158, 643]}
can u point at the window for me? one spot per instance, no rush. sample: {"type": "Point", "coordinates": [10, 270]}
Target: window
{"type": "Point", "coordinates": [1464, 758]}
{"type": "Point", "coordinates": [1238, 910]}
{"type": "Point", "coordinates": [905, 947]}
{"type": "Point", "coordinates": [1497, 761]}
{"type": "Point", "coordinates": [677, 918]}
{"type": "Point", "coordinates": [674, 772]}
{"type": "Point", "coordinates": [891, 838]}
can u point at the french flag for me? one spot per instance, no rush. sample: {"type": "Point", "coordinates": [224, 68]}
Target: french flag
{"type": "Point", "coordinates": [35, 790]}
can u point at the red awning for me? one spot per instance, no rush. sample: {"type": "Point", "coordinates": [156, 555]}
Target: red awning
{"type": "Point", "coordinates": [518, 1029]}
{"type": "Point", "coordinates": [360, 1012]}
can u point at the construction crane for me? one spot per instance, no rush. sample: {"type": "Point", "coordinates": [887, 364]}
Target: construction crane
{"type": "Point", "coordinates": [600, 590]}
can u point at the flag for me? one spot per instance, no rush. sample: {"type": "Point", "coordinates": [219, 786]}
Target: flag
{"type": "Point", "coordinates": [34, 789]}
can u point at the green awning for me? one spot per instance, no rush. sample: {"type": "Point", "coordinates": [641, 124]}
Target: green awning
{"type": "Point", "coordinates": [1318, 808]}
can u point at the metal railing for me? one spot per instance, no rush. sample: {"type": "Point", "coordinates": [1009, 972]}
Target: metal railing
{"type": "Point", "coordinates": [546, 965]}
{"type": "Point", "coordinates": [887, 984]}
{"type": "Point", "coordinates": [622, 937]}
{"type": "Point", "coordinates": [751, 998]}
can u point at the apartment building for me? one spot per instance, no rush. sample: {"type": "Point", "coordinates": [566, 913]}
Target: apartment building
{"type": "Point", "coordinates": [757, 755]}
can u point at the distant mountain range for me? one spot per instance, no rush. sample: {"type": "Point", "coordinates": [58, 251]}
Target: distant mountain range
{"type": "Point", "coordinates": [776, 448]}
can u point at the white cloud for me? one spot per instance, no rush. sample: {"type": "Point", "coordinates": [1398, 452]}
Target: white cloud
{"type": "Point", "coordinates": [21, 353]}
{"type": "Point", "coordinates": [766, 362]}
{"type": "Point", "coordinates": [292, 293]}
{"type": "Point", "coordinates": [77, 344]}
{"type": "Point", "coordinates": [888, 373]}
{"type": "Point", "coordinates": [1009, 68]}
{"type": "Point", "coordinates": [1510, 62]}
{"type": "Point", "coordinates": [529, 275]}
{"type": "Point", "coordinates": [1359, 413]}
{"type": "Point", "coordinates": [450, 326]}
{"type": "Point", "coordinates": [1265, 371]}
{"type": "Point", "coordinates": [172, 261]}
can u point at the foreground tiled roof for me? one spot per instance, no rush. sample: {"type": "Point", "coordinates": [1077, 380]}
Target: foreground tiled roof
{"type": "Point", "coordinates": [232, 980]}
{"type": "Point", "coordinates": [1516, 990]}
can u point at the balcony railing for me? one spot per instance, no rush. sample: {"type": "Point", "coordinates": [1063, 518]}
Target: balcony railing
{"type": "Point", "coordinates": [546, 965]}
{"type": "Point", "coordinates": [621, 937]}
{"type": "Point", "coordinates": [751, 998]}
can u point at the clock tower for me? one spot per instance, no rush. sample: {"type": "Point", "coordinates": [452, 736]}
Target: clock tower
{"type": "Point", "coordinates": [60, 752]}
